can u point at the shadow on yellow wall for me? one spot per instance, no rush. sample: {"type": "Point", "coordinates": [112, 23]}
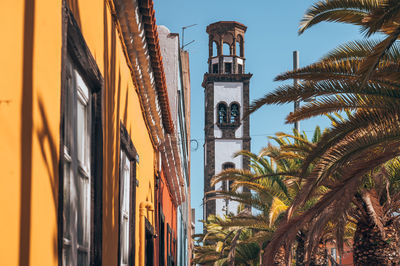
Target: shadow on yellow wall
{"type": "Point", "coordinates": [26, 134]}
{"type": "Point", "coordinates": [51, 160]}
{"type": "Point", "coordinates": [111, 93]}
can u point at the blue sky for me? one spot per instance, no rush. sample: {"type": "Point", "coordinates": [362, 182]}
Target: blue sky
{"type": "Point", "coordinates": [270, 40]}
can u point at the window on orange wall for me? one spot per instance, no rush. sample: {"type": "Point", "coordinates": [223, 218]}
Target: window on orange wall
{"type": "Point", "coordinates": [175, 249]}
{"type": "Point", "coordinates": [169, 246]}
{"type": "Point", "coordinates": [162, 238]}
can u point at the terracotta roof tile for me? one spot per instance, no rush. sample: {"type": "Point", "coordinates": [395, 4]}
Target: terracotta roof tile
{"type": "Point", "coordinates": [150, 27]}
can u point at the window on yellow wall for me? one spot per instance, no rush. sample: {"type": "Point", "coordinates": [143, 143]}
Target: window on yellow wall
{"type": "Point", "coordinates": [127, 199]}
{"type": "Point", "coordinates": [77, 170]}
{"type": "Point", "coordinates": [80, 229]}
{"type": "Point", "coordinates": [124, 189]}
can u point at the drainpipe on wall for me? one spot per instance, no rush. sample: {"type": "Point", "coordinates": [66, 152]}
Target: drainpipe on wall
{"type": "Point", "coordinates": [143, 208]}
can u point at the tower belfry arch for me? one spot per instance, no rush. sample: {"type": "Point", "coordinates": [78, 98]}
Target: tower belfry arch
{"type": "Point", "coordinates": [226, 90]}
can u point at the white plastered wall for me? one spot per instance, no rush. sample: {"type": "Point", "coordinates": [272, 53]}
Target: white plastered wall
{"type": "Point", "coordinates": [227, 92]}
{"type": "Point", "coordinates": [224, 151]}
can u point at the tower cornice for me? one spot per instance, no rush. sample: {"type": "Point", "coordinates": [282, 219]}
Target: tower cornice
{"type": "Point", "coordinates": [221, 26]}
{"type": "Point", "coordinates": [211, 77]}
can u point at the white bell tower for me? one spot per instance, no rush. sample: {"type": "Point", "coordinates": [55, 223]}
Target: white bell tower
{"type": "Point", "coordinates": [226, 89]}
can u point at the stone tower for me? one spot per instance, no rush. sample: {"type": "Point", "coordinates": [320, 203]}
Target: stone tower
{"type": "Point", "coordinates": [226, 89]}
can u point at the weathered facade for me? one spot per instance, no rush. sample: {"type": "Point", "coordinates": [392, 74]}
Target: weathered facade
{"type": "Point", "coordinates": [176, 62]}
{"type": "Point", "coordinates": [87, 133]}
{"type": "Point", "coordinates": [226, 89]}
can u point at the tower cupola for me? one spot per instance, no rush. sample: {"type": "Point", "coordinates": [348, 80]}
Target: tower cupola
{"type": "Point", "coordinates": [226, 47]}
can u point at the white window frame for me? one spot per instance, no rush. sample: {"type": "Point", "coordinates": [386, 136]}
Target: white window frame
{"type": "Point", "coordinates": [125, 181]}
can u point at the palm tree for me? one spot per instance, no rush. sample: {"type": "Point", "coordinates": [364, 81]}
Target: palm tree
{"type": "Point", "coordinates": [274, 183]}
{"type": "Point", "coordinates": [376, 239]}
{"type": "Point", "coordinates": [341, 82]}
{"type": "Point", "coordinates": [361, 77]}
{"type": "Point", "coordinates": [222, 245]}
{"type": "Point", "coordinates": [374, 210]}
{"type": "Point", "coordinates": [270, 197]}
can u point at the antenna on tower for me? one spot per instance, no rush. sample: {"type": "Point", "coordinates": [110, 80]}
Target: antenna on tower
{"type": "Point", "coordinates": [183, 36]}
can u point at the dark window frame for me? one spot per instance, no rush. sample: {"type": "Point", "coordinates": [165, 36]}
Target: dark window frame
{"type": "Point", "coordinates": [127, 146]}
{"type": "Point", "coordinates": [170, 258]}
{"type": "Point", "coordinates": [228, 67]}
{"type": "Point", "coordinates": [239, 39]}
{"type": "Point", "coordinates": [240, 69]}
{"type": "Point", "coordinates": [237, 119]}
{"type": "Point", "coordinates": [175, 255]}
{"type": "Point", "coordinates": [76, 52]}
{"type": "Point", "coordinates": [226, 120]}
{"type": "Point", "coordinates": [227, 185]}
{"type": "Point", "coordinates": [162, 237]}
{"type": "Point", "coordinates": [215, 68]}
{"type": "Point", "coordinates": [149, 235]}
{"type": "Point", "coordinates": [227, 123]}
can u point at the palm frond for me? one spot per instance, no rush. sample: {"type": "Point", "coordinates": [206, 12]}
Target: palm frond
{"type": "Point", "coordinates": [277, 208]}
{"type": "Point", "coordinates": [372, 60]}
{"type": "Point", "coordinates": [360, 49]}
{"type": "Point", "coordinates": [347, 11]}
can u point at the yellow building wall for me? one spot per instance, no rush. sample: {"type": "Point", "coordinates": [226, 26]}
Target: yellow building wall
{"type": "Point", "coordinates": [30, 86]}
{"type": "Point", "coordinates": [29, 136]}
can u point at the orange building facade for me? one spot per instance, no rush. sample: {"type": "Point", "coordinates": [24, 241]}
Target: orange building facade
{"type": "Point", "coordinates": [167, 215]}
{"type": "Point", "coordinates": [86, 130]}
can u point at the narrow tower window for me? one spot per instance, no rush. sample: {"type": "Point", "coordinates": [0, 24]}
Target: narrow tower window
{"type": "Point", "coordinates": [214, 49]}
{"type": "Point", "coordinates": [222, 113]}
{"type": "Point", "coordinates": [240, 69]}
{"type": "Point", "coordinates": [228, 68]}
{"type": "Point", "coordinates": [227, 185]}
{"type": "Point", "coordinates": [228, 166]}
{"type": "Point", "coordinates": [215, 68]}
{"type": "Point", "coordinates": [226, 49]}
{"type": "Point", "coordinates": [240, 51]}
{"type": "Point", "coordinates": [235, 113]}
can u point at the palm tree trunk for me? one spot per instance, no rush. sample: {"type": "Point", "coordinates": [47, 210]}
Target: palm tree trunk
{"type": "Point", "coordinates": [280, 259]}
{"type": "Point", "coordinates": [372, 248]}
{"type": "Point", "coordinates": [300, 250]}
{"type": "Point", "coordinates": [320, 257]}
